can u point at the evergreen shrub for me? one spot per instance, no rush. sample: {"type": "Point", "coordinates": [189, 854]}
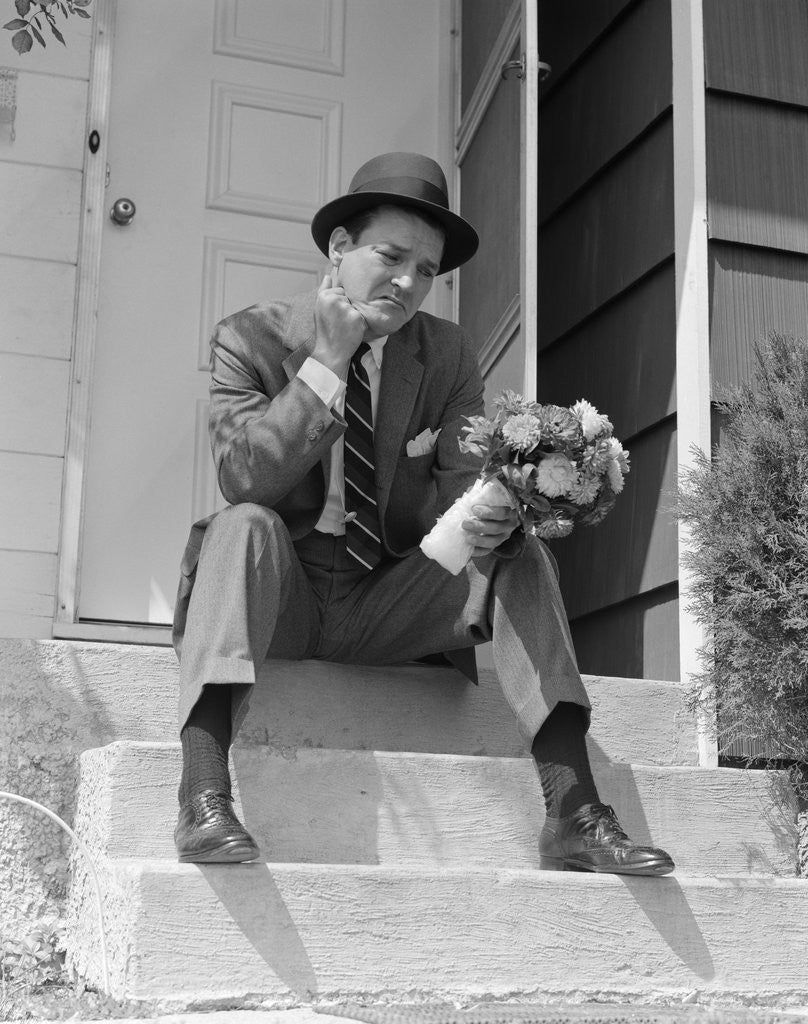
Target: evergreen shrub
{"type": "Point", "coordinates": [747, 512]}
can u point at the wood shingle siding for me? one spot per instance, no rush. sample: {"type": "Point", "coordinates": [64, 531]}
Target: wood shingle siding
{"type": "Point", "coordinates": [757, 161]}
{"type": "Point", "coordinates": [48, 287]}
{"type": "Point", "coordinates": [634, 638]}
{"type": "Point", "coordinates": [604, 103]}
{"type": "Point", "coordinates": [569, 29]}
{"type": "Point", "coordinates": [41, 212]}
{"type": "Point", "coordinates": [30, 503]}
{"type": "Point", "coordinates": [752, 292]}
{"type": "Point", "coordinates": [607, 313]}
{"type": "Point", "coordinates": [40, 208]}
{"type": "Point", "coordinates": [33, 404]}
{"type": "Point", "coordinates": [616, 231]}
{"type": "Point", "coordinates": [634, 383]}
{"type": "Point", "coordinates": [757, 48]}
{"type": "Point", "coordinates": [26, 595]}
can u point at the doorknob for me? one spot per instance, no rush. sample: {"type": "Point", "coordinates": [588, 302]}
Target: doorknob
{"type": "Point", "coordinates": [122, 212]}
{"type": "Point", "coordinates": [514, 65]}
{"type": "Point", "coordinates": [543, 68]}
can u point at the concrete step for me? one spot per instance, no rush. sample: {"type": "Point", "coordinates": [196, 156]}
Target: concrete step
{"type": "Point", "coordinates": [293, 934]}
{"type": "Point", "coordinates": [492, 1013]}
{"type": "Point", "coordinates": [104, 692]}
{"type": "Point", "coordinates": [370, 807]}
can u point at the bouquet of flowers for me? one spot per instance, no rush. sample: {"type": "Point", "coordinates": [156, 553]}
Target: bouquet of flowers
{"type": "Point", "coordinates": [555, 466]}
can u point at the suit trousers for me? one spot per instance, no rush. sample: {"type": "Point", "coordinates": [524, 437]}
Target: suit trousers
{"type": "Point", "coordinates": [258, 594]}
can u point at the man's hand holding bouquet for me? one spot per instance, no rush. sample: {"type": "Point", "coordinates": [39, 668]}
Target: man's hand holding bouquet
{"type": "Point", "coordinates": [554, 466]}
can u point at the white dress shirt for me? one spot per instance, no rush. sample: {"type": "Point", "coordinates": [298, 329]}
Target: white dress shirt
{"type": "Point", "coordinates": [331, 389]}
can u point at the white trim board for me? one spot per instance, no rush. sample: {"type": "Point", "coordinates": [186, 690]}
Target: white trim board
{"type": "Point", "coordinates": [692, 302]}
{"type": "Point", "coordinates": [529, 221]}
{"type": "Point", "coordinates": [87, 284]}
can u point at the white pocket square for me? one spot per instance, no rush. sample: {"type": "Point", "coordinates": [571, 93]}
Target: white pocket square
{"type": "Point", "coordinates": [423, 443]}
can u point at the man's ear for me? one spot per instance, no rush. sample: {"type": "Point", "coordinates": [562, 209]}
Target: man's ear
{"type": "Point", "coordinates": [337, 243]}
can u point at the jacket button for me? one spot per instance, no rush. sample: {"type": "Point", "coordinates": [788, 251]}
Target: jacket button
{"type": "Point", "coordinates": [319, 426]}
{"type": "Point", "coordinates": [312, 435]}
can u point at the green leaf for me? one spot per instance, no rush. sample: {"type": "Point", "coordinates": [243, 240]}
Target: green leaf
{"type": "Point", "coordinates": [58, 34]}
{"type": "Point", "coordinates": [23, 7]}
{"type": "Point", "coordinates": [22, 42]}
{"type": "Point", "coordinates": [81, 3]}
{"type": "Point", "coordinates": [38, 35]}
{"type": "Point", "coordinates": [81, 13]}
{"type": "Point", "coordinates": [16, 23]}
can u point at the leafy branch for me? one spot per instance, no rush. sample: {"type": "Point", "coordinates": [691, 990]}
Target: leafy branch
{"type": "Point", "coordinates": [35, 959]}
{"type": "Point", "coordinates": [746, 509]}
{"type": "Point", "coordinates": [35, 15]}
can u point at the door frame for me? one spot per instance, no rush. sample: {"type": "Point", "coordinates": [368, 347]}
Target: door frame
{"type": "Point", "coordinates": [88, 275]}
{"type": "Point", "coordinates": [521, 314]}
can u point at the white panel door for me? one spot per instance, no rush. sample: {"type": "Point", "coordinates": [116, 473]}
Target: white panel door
{"type": "Point", "coordinates": [231, 122]}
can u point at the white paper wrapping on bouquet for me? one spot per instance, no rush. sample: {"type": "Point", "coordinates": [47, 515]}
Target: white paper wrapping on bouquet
{"type": "Point", "coordinates": [447, 543]}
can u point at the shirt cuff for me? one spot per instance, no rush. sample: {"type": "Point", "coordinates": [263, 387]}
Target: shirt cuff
{"type": "Point", "coordinates": [323, 382]}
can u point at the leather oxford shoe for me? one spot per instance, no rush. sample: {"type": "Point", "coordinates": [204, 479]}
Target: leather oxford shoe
{"type": "Point", "coordinates": [208, 832]}
{"type": "Point", "coordinates": [591, 839]}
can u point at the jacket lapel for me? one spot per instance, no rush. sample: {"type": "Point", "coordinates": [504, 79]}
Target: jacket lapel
{"type": "Point", "coordinates": [401, 379]}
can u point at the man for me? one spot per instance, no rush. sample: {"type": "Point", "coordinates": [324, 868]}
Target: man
{"type": "Point", "coordinates": [334, 425]}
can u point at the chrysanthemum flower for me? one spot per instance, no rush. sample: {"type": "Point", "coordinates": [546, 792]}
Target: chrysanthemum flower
{"type": "Point", "coordinates": [617, 464]}
{"type": "Point", "coordinates": [619, 453]}
{"type": "Point", "coordinates": [512, 403]}
{"type": "Point", "coordinates": [559, 426]}
{"type": "Point", "coordinates": [585, 489]}
{"type": "Point", "coordinates": [592, 422]}
{"type": "Point", "coordinates": [615, 476]}
{"type": "Point", "coordinates": [522, 431]}
{"type": "Point", "coordinates": [556, 474]}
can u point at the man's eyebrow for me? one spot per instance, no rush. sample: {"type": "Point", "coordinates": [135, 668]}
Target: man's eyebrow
{"type": "Point", "coordinates": [431, 264]}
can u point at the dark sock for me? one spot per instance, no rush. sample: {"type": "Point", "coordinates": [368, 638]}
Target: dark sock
{"type": "Point", "coordinates": [563, 761]}
{"type": "Point", "coordinates": [206, 742]}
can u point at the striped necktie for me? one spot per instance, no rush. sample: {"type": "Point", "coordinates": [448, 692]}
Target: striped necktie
{"type": "Point", "coordinates": [362, 519]}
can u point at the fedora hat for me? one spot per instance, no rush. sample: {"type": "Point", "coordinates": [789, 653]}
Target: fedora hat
{"type": "Point", "coordinates": [400, 179]}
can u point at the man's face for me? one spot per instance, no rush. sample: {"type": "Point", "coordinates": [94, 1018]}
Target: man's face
{"type": "Point", "coordinates": [388, 271]}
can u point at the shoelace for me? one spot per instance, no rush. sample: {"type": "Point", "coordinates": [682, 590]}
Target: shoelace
{"type": "Point", "coordinates": [604, 823]}
{"type": "Point", "coordinates": [214, 803]}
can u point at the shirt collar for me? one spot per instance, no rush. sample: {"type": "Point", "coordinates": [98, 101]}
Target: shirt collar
{"type": "Point", "coordinates": [377, 349]}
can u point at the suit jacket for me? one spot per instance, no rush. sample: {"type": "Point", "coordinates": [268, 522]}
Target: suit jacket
{"type": "Point", "coordinates": [271, 435]}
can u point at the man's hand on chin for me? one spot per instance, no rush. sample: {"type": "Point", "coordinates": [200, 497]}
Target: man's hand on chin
{"type": "Point", "coordinates": [491, 526]}
{"type": "Point", "coordinates": [339, 327]}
